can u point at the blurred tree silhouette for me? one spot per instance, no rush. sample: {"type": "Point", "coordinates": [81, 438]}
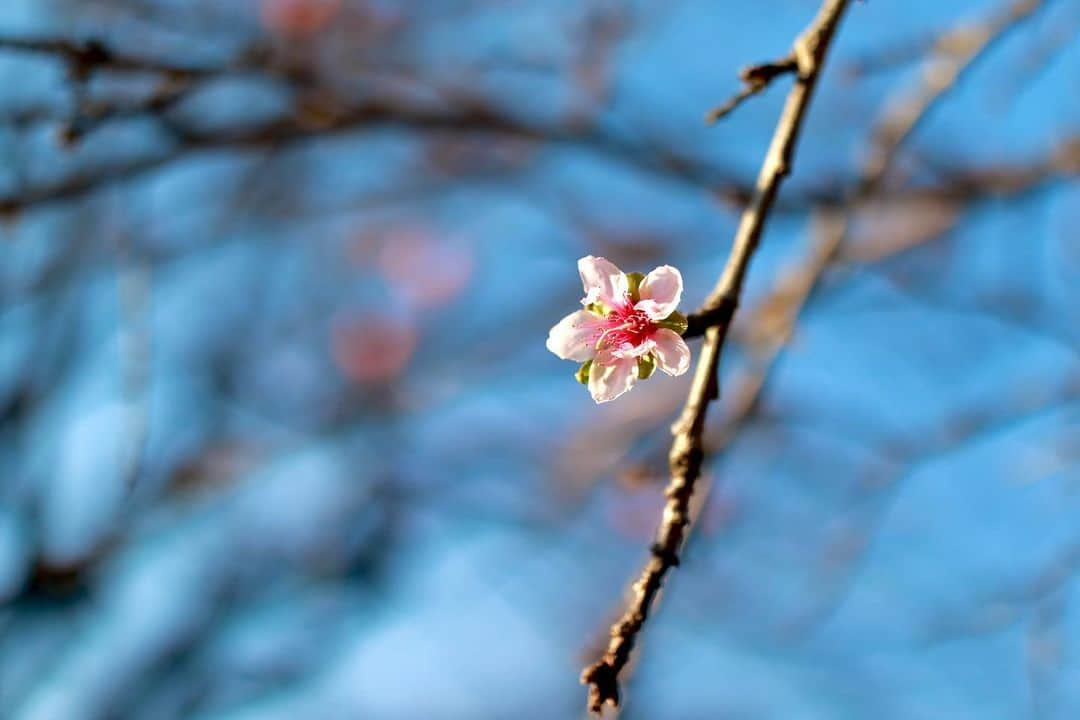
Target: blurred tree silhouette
{"type": "Point", "coordinates": [280, 438]}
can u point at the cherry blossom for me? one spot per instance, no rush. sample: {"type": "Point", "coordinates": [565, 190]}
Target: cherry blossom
{"type": "Point", "coordinates": [629, 327]}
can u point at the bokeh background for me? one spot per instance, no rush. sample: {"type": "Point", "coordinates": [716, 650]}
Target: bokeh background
{"type": "Point", "coordinates": [280, 439]}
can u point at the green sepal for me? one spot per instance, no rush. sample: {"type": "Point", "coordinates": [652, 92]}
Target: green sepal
{"type": "Point", "coordinates": [634, 280]}
{"type": "Point", "coordinates": [675, 321]}
{"type": "Point", "coordinates": [582, 374]}
{"type": "Point", "coordinates": [596, 309]}
{"type": "Point", "coordinates": [646, 366]}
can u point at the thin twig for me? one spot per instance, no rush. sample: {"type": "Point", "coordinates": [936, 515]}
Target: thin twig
{"type": "Point", "coordinates": [687, 452]}
{"type": "Point", "coordinates": [755, 79]}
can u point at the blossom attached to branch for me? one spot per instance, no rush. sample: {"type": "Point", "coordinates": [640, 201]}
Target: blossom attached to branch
{"type": "Point", "coordinates": [628, 329]}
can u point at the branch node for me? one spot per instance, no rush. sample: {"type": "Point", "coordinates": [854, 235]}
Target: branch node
{"type": "Point", "coordinates": [755, 78]}
{"type": "Point", "coordinates": [603, 680]}
{"type": "Point", "coordinates": [711, 314]}
{"type": "Point", "coordinates": [85, 57]}
{"type": "Point", "coordinates": [665, 555]}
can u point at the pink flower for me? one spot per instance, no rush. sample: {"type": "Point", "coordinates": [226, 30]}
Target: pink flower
{"type": "Point", "coordinates": [628, 328]}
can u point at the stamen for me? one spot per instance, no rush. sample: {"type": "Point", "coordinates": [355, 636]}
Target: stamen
{"type": "Point", "coordinates": [633, 329]}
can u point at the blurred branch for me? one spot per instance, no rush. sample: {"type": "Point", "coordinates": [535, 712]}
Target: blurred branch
{"type": "Point", "coordinates": [1050, 44]}
{"type": "Point", "coordinates": [1010, 605]}
{"type": "Point", "coordinates": [954, 42]}
{"type": "Point", "coordinates": [889, 57]}
{"type": "Point", "coordinates": [951, 56]}
{"type": "Point", "coordinates": [316, 113]}
{"type": "Point", "coordinates": [134, 303]}
{"type": "Point", "coordinates": [954, 190]}
{"type": "Point", "coordinates": [955, 53]}
{"type": "Point", "coordinates": [83, 57]}
{"type": "Point", "coordinates": [687, 452]}
{"type": "Point", "coordinates": [90, 115]}
{"type": "Point", "coordinates": [907, 456]}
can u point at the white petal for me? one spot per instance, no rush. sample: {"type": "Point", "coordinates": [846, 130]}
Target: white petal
{"type": "Point", "coordinates": [603, 282]}
{"type": "Point", "coordinates": [611, 379]}
{"type": "Point", "coordinates": [671, 352]}
{"type": "Point", "coordinates": [626, 350]}
{"type": "Point", "coordinates": [660, 292]}
{"type": "Point", "coordinates": [574, 337]}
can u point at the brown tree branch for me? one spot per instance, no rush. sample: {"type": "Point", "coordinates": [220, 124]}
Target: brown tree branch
{"type": "Point", "coordinates": [687, 452]}
{"type": "Point", "coordinates": [86, 56]}
{"type": "Point", "coordinates": [319, 119]}
{"type": "Point", "coordinates": [317, 111]}
{"type": "Point", "coordinates": [954, 53]}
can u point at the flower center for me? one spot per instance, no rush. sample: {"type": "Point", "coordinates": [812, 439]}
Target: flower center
{"type": "Point", "coordinates": [624, 325]}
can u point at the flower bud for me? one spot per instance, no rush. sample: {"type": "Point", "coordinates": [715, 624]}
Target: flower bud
{"type": "Point", "coordinates": [646, 365]}
{"type": "Point", "coordinates": [582, 374]}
